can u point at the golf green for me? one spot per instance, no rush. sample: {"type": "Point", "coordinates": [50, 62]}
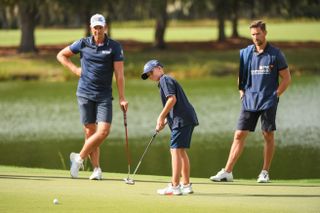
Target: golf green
{"type": "Point", "coordinates": [33, 190]}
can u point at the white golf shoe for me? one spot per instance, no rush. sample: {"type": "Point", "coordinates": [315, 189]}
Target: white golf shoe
{"type": "Point", "coordinates": [222, 175]}
{"type": "Point", "coordinates": [76, 163]}
{"type": "Point", "coordinates": [170, 190]}
{"type": "Point", "coordinates": [186, 189]}
{"type": "Point", "coordinates": [96, 174]}
{"type": "Point", "coordinates": [263, 177]}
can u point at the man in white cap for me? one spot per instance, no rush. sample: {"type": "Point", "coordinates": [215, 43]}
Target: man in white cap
{"type": "Point", "coordinates": [100, 57]}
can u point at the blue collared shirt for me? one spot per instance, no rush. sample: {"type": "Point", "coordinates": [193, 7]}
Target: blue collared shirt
{"type": "Point", "coordinates": [182, 113]}
{"type": "Point", "coordinates": [262, 78]}
{"type": "Point", "coordinates": [97, 68]}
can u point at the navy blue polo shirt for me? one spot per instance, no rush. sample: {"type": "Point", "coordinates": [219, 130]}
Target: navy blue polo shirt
{"type": "Point", "coordinates": [263, 81]}
{"type": "Point", "coordinates": [182, 113]}
{"type": "Point", "coordinates": [97, 68]}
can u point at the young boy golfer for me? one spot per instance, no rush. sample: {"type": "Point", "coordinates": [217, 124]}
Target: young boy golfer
{"type": "Point", "coordinates": [181, 118]}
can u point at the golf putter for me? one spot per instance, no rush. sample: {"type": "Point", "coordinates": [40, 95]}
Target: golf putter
{"type": "Point", "coordinates": [127, 143]}
{"type": "Point", "coordinates": [131, 181]}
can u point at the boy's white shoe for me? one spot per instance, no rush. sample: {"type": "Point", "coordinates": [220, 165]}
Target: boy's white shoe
{"type": "Point", "coordinates": [170, 190]}
{"type": "Point", "coordinates": [263, 177]}
{"type": "Point", "coordinates": [76, 163]}
{"type": "Point", "coordinates": [96, 174]}
{"type": "Point", "coordinates": [222, 175]}
{"type": "Point", "coordinates": [186, 189]}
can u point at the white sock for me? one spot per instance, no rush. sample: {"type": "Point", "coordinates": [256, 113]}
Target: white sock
{"type": "Point", "coordinates": [96, 169]}
{"type": "Point", "coordinates": [79, 159]}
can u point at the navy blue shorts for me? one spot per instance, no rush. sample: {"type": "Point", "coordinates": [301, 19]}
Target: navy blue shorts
{"type": "Point", "coordinates": [248, 120]}
{"type": "Point", "coordinates": [181, 137]}
{"type": "Point", "coordinates": [95, 111]}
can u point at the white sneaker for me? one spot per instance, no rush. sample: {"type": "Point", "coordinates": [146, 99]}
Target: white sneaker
{"type": "Point", "coordinates": [76, 163]}
{"type": "Point", "coordinates": [263, 177]}
{"type": "Point", "coordinates": [186, 189]}
{"type": "Point", "coordinates": [222, 175]}
{"type": "Point", "coordinates": [96, 174]}
{"type": "Point", "coordinates": [170, 190]}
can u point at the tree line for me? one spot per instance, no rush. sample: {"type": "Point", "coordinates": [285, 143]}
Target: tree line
{"type": "Point", "coordinates": [26, 15]}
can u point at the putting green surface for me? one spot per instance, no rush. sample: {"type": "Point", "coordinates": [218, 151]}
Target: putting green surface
{"type": "Point", "coordinates": [33, 190]}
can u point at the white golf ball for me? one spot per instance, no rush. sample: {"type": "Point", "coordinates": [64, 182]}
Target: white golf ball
{"type": "Point", "coordinates": [55, 201]}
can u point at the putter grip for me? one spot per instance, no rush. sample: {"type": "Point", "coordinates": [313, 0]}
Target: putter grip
{"type": "Point", "coordinates": [124, 118]}
{"type": "Point", "coordinates": [155, 133]}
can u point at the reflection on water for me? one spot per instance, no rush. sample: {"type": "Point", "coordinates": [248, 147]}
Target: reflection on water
{"type": "Point", "coordinates": [206, 157]}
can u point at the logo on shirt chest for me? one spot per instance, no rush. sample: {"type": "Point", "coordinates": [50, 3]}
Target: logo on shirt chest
{"type": "Point", "coordinates": [106, 52]}
{"type": "Point", "coordinates": [262, 70]}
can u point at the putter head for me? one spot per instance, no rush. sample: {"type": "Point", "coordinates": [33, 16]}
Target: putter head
{"type": "Point", "coordinates": [129, 181]}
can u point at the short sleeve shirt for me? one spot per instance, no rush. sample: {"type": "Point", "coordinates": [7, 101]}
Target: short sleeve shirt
{"type": "Point", "coordinates": [264, 71]}
{"type": "Point", "coordinates": [183, 113]}
{"type": "Point", "coordinates": [95, 82]}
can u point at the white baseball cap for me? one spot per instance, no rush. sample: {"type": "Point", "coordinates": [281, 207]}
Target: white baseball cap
{"type": "Point", "coordinates": [148, 67]}
{"type": "Point", "coordinates": [97, 20]}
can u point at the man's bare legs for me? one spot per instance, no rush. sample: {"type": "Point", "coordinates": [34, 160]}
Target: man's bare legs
{"type": "Point", "coordinates": [95, 135]}
{"type": "Point", "coordinates": [268, 149]}
{"type": "Point", "coordinates": [236, 149]}
{"type": "Point", "coordinates": [89, 130]}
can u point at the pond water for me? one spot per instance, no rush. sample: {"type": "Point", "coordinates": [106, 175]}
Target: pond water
{"type": "Point", "coordinates": [40, 127]}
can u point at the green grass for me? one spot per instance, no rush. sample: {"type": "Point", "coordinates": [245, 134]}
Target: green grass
{"type": "Point", "coordinates": [33, 190]}
{"type": "Point", "coordinates": [38, 67]}
{"type": "Point", "coordinates": [193, 31]}
{"type": "Point", "coordinates": [181, 64]}
{"type": "Point", "coordinates": [277, 32]}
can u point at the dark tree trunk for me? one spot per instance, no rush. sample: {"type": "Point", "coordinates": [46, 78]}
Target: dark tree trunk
{"type": "Point", "coordinates": [27, 15]}
{"type": "Point", "coordinates": [221, 18]}
{"type": "Point", "coordinates": [86, 16]}
{"type": "Point", "coordinates": [161, 25]}
{"type": "Point", "coordinates": [221, 33]}
{"type": "Point", "coordinates": [234, 19]}
{"type": "Point", "coordinates": [108, 22]}
{"type": "Point", "coordinates": [252, 9]}
{"type": "Point", "coordinates": [110, 9]}
{"type": "Point", "coordinates": [3, 18]}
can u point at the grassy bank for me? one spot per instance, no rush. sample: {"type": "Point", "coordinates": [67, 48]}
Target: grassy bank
{"type": "Point", "coordinates": [33, 190]}
{"type": "Point", "coordinates": [182, 64]}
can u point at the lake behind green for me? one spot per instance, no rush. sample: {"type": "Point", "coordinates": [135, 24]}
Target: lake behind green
{"type": "Point", "coordinates": [40, 126]}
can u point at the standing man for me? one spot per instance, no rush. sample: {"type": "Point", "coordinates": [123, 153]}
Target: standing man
{"type": "Point", "coordinates": [261, 64]}
{"type": "Point", "coordinates": [100, 56]}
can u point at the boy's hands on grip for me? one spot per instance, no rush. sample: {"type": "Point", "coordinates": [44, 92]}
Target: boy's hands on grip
{"type": "Point", "coordinates": [161, 123]}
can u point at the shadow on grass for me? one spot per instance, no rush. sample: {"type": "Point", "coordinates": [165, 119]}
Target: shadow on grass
{"type": "Point", "coordinates": [258, 184]}
{"type": "Point", "coordinates": [255, 195]}
{"type": "Point", "coordinates": [47, 178]}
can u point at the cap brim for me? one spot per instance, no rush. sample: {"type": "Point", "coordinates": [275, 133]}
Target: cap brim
{"type": "Point", "coordinates": [144, 76]}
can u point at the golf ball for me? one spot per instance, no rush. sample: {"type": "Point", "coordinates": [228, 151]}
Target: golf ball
{"type": "Point", "coordinates": [55, 201]}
